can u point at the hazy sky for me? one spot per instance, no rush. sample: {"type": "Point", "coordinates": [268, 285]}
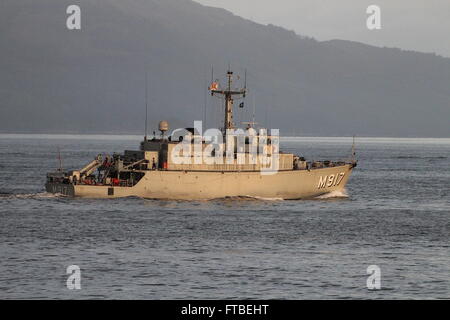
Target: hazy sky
{"type": "Point", "coordinates": [422, 25]}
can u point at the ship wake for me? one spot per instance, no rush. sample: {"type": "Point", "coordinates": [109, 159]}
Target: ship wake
{"type": "Point", "coordinates": [333, 195]}
{"type": "Point", "coordinates": [37, 195]}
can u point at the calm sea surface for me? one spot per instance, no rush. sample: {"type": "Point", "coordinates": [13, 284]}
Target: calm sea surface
{"type": "Point", "coordinates": [396, 215]}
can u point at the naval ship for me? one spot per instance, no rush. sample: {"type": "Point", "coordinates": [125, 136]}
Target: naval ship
{"type": "Point", "coordinates": [194, 166]}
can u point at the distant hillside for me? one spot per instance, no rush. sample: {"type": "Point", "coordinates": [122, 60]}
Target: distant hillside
{"type": "Point", "coordinates": [56, 80]}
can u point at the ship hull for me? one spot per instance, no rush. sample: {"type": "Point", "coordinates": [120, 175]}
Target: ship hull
{"type": "Point", "coordinates": [206, 185]}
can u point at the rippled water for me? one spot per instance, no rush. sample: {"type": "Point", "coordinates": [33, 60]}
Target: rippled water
{"type": "Point", "coordinates": [396, 216]}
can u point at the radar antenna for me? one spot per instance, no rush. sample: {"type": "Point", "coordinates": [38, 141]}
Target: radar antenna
{"type": "Point", "coordinates": [60, 169]}
{"type": "Point", "coordinates": [146, 104]}
{"type": "Point", "coordinates": [228, 95]}
{"type": "Point", "coordinates": [353, 150]}
{"type": "Point", "coordinates": [253, 123]}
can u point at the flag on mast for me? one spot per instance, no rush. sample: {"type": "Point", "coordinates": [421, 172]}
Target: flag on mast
{"type": "Point", "coordinates": [214, 86]}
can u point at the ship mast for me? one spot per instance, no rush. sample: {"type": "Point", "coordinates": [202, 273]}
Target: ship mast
{"type": "Point", "coordinates": [228, 95]}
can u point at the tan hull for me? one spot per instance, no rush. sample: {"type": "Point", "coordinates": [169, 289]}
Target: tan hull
{"type": "Point", "coordinates": [192, 185]}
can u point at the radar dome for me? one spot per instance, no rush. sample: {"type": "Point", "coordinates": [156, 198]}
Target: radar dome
{"type": "Point", "coordinates": [163, 126]}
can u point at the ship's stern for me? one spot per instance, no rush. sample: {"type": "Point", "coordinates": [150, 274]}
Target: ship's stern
{"type": "Point", "coordinates": [59, 183]}
{"type": "Point", "coordinates": [60, 188]}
